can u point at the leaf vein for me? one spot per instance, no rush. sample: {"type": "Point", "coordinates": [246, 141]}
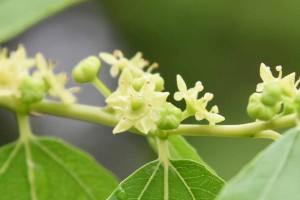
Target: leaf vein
{"type": "Point", "coordinates": [60, 162]}
{"type": "Point", "coordinates": [30, 171]}
{"type": "Point", "coordinates": [10, 158]}
{"type": "Point", "coordinates": [183, 181]}
{"type": "Point", "coordinates": [148, 182]}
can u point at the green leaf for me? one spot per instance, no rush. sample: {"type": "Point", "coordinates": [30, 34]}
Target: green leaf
{"type": "Point", "coordinates": [44, 169]}
{"type": "Point", "coordinates": [179, 148]}
{"type": "Point", "coordinates": [18, 15]}
{"type": "Point", "coordinates": [182, 179]}
{"type": "Point", "coordinates": [272, 175]}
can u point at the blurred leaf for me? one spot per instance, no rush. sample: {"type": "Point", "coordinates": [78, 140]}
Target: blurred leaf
{"type": "Point", "coordinates": [180, 149]}
{"type": "Point", "coordinates": [18, 15]}
{"type": "Point", "coordinates": [44, 169]}
{"type": "Point", "coordinates": [183, 179]}
{"type": "Point", "coordinates": [272, 175]}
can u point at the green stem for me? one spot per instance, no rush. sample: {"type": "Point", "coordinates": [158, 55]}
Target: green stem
{"type": "Point", "coordinates": [25, 136]}
{"type": "Point", "coordinates": [97, 115]}
{"type": "Point", "coordinates": [242, 130]}
{"type": "Point", "coordinates": [24, 127]}
{"type": "Point", "coordinates": [185, 114]}
{"type": "Point", "coordinates": [76, 111]}
{"type": "Point", "coordinates": [163, 152]}
{"type": "Point", "coordinates": [101, 87]}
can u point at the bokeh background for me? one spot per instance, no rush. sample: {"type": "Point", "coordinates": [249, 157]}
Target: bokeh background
{"type": "Point", "coordinates": [221, 43]}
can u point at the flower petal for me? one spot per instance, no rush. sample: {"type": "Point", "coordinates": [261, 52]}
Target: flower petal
{"type": "Point", "coordinates": [123, 125]}
{"type": "Point", "coordinates": [199, 116]}
{"type": "Point", "coordinates": [265, 73]}
{"type": "Point", "coordinates": [181, 84]}
{"type": "Point", "coordinates": [178, 96]}
{"type": "Point", "coordinates": [108, 58]}
{"type": "Point", "coordinates": [214, 118]}
{"type": "Point", "coordinates": [288, 84]}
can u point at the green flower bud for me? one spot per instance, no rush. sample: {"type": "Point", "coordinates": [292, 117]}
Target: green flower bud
{"type": "Point", "coordinates": [159, 83]}
{"type": "Point", "coordinates": [137, 103]}
{"type": "Point", "coordinates": [277, 108]}
{"type": "Point", "coordinates": [87, 69]}
{"type": "Point", "coordinates": [271, 94]}
{"type": "Point", "coordinates": [260, 111]}
{"type": "Point", "coordinates": [138, 83]}
{"type": "Point", "coordinates": [268, 100]}
{"type": "Point", "coordinates": [32, 90]}
{"type": "Point", "coordinates": [288, 108]}
{"type": "Point", "coordinates": [255, 97]}
{"type": "Point", "coordinates": [169, 117]}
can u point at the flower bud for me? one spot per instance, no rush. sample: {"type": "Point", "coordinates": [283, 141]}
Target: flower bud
{"type": "Point", "coordinates": [169, 117]}
{"type": "Point", "coordinates": [32, 90]}
{"type": "Point", "coordinates": [288, 108]}
{"type": "Point", "coordinates": [87, 69]}
{"type": "Point", "coordinates": [159, 83]}
{"type": "Point", "coordinates": [260, 111]}
{"type": "Point", "coordinates": [271, 94]}
{"type": "Point", "coordinates": [254, 98]}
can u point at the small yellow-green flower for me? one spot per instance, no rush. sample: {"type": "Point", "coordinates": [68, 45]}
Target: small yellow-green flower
{"type": "Point", "coordinates": [13, 69]}
{"type": "Point", "coordinates": [55, 83]}
{"type": "Point", "coordinates": [275, 95]}
{"type": "Point", "coordinates": [187, 94]}
{"type": "Point", "coordinates": [211, 116]}
{"type": "Point", "coordinates": [138, 99]}
{"type": "Point", "coordinates": [136, 108]}
{"type": "Point", "coordinates": [30, 79]}
{"type": "Point", "coordinates": [195, 106]}
{"type": "Point", "coordinates": [287, 83]}
{"type": "Point", "coordinates": [118, 62]}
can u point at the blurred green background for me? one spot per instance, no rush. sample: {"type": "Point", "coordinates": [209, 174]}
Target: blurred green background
{"type": "Point", "coordinates": [221, 43]}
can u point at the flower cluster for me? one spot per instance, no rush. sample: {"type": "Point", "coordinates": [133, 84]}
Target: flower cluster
{"type": "Point", "coordinates": [275, 95]}
{"type": "Point", "coordinates": [139, 100]}
{"type": "Point", "coordinates": [28, 80]}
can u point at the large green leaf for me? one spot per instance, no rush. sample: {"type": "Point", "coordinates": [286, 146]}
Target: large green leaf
{"type": "Point", "coordinates": [272, 175]}
{"type": "Point", "coordinates": [182, 179]}
{"type": "Point", "coordinates": [18, 15]}
{"type": "Point", "coordinates": [44, 169]}
{"type": "Point", "coordinates": [179, 148]}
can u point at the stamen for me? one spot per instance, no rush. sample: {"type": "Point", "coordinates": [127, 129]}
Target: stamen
{"type": "Point", "coordinates": [152, 67]}
{"type": "Point", "coordinates": [215, 109]}
{"type": "Point", "coordinates": [279, 69]}
{"type": "Point", "coordinates": [208, 96]}
{"type": "Point", "coordinates": [198, 86]}
{"type": "Point", "coordinates": [118, 53]}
